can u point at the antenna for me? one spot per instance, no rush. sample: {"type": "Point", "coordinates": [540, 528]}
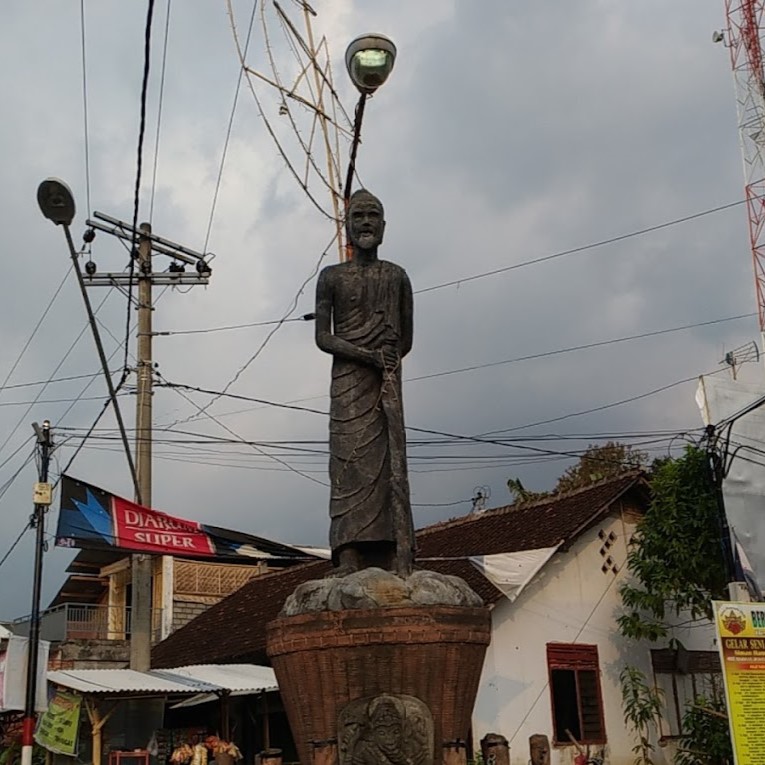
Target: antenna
{"type": "Point", "coordinates": [741, 355]}
{"type": "Point", "coordinates": [299, 105]}
{"type": "Point", "coordinates": [480, 495]}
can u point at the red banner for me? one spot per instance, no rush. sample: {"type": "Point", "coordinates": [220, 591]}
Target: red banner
{"type": "Point", "coordinates": [138, 528]}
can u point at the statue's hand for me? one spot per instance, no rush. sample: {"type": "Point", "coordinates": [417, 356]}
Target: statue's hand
{"type": "Point", "coordinates": [387, 358]}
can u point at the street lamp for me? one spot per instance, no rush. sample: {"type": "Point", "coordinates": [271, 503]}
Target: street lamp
{"type": "Point", "coordinates": [369, 60]}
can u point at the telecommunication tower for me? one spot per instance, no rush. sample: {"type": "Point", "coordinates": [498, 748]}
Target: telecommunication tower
{"type": "Point", "coordinates": [743, 40]}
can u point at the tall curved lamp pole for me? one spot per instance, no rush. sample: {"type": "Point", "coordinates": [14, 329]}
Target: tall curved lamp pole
{"type": "Point", "coordinates": [369, 60]}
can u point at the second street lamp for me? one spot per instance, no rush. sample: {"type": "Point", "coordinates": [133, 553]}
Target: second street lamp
{"type": "Point", "coordinates": [369, 60]}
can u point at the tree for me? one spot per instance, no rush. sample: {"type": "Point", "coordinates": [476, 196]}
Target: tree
{"type": "Point", "coordinates": [676, 559]}
{"type": "Point", "coordinates": [599, 462]}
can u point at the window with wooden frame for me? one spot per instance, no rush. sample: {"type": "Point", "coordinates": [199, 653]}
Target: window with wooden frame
{"type": "Point", "coordinates": [575, 695]}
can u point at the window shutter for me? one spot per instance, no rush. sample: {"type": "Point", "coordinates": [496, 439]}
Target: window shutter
{"type": "Point", "coordinates": [572, 656]}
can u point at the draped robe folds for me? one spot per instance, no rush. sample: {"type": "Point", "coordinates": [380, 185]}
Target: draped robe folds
{"type": "Point", "coordinates": [369, 499]}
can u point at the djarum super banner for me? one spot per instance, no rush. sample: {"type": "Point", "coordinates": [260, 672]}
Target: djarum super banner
{"type": "Point", "coordinates": [92, 518]}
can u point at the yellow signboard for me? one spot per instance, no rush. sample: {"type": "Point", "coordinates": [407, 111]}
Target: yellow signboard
{"type": "Point", "coordinates": [58, 728]}
{"type": "Point", "coordinates": [741, 637]}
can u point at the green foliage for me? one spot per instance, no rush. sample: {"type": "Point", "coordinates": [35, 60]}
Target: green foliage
{"type": "Point", "coordinates": [676, 559]}
{"type": "Point", "coordinates": [706, 740]}
{"type": "Point", "coordinates": [599, 462]}
{"type": "Point", "coordinates": [642, 706]}
{"type": "Point", "coordinates": [521, 494]}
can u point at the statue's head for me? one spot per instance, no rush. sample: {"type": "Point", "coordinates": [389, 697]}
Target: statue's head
{"type": "Point", "coordinates": [386, 717]}
{"type": "Point", "coordinates": [539, 747]}
{"type": "Point", "coordinates": [365, 220]}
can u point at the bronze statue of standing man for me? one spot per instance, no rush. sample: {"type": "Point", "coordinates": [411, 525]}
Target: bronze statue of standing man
{"type": "Point", "coordinates": [364, 313]}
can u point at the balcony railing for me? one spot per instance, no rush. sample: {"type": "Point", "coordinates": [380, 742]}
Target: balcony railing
{"type": "Point", "coordinates": [83, 621]}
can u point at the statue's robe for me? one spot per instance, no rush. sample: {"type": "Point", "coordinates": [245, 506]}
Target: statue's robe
{"type": "Point", "coordinates": [369, 499]}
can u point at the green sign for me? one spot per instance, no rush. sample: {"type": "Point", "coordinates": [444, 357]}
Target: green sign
{"type": "Point", "coordinates": [59, 725]}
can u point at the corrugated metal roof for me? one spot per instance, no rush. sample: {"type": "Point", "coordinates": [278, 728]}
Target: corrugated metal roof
{"type": "Point", "coordinates": [208, 679]}
{"type": "Point", "coordinates": [235, 678]}
{"type": "Point", "coordinates": [122, 681]}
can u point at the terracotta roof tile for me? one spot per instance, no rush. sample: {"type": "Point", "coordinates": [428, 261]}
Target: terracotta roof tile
{"type": "Point", "coordinates": [234, 629]}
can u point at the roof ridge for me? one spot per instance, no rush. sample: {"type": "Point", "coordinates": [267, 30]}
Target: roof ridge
{"type": "Point", "coordinates": [527, 504]}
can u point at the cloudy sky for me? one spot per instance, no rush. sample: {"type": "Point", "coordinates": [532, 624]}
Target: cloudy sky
{"type": "Point", "coordinates": [508, 132]}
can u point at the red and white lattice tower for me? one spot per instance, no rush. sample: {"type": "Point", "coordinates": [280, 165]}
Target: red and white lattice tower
{"type": "Point", "coordinates": [743, 39]}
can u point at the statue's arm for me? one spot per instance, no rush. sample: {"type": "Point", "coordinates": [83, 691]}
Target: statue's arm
{"type": "Point", "coordinates": [328, 342]}
{"type": "Point", "coordinates": [407, 316]}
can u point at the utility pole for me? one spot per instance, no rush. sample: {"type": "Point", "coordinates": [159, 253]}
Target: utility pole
{"type": "Point", "coordinates": [141, 612]}
{"type": "Point", "coordinates": [43, 496]}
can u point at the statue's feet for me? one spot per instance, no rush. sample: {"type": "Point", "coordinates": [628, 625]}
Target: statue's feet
{"type": "Point", "coordinates": [348, 562]}
{"type": "Point", "coordinates": [340, 571]}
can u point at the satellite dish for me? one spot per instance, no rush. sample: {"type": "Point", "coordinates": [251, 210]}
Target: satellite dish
{"type": "Point", "coordinates": [56, 201]}
{"type": "Point", "coordinates": [718, 37]}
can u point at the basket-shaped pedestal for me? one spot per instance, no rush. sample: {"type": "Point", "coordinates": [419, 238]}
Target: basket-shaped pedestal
{"type": "Point", "coordinates": [327, 659]}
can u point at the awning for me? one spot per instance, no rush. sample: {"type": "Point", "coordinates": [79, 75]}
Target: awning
{"type": "Point", "coordinates": [511, 572]}
{"type": "Point", "coordinates": [240, 680]}
{"type": "Point", "coordinates": [213, 679]}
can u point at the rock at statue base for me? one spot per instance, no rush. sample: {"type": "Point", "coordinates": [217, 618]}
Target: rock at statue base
{"type": "Point", "coordinates": [382, 668]}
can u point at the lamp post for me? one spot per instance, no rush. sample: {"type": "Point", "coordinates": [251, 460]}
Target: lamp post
{"type": "Point", "coordinates": [369, 60]}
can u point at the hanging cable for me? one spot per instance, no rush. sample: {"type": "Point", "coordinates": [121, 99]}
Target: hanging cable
{"type": "Point", "coordinates": [228, 130]}
{"type": "Point", "coordinates": [85, 105]}
{"type": "Point", "coordinates": [582, 248]}
{"type": "Point", "coordinates": [159, 115]}
{"type": "Point", "coordinates": [139, 165]}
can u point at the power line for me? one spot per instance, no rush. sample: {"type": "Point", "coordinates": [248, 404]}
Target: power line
{"type": "Point", "coordinates": [139, 166]}
{"type": "Point", "coordinates": [223, 394]}
{"type": "Point", "coordinates": [276, 328]}
{"type": "Point", "coordinates": [602, 407]}
{"type": "Point", "coordinates": [582, 347]}
{"type": "Point", "coordinates": [4, 385]}
{"type": "Point", "coordinates": [582, 248]}
{"type": "Point", "coordinates": [13, 546]}
{"type": "Point", "coordinates": [203, 410]}
{"type": "Point", "coordinates": [15, 386]}
{"type": "Point", "coordinates": [159, 114]}
{"type": "Point", "coordinates": [85, 105]}
{"type": "Point", "coordinates": [226, 328]}
{"type": "Point", "coordinates": [228, 130]}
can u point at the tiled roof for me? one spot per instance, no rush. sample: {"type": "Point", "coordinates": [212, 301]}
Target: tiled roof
{"type": "Point", "coordinates": [526, 526]}
{"type": "Point", "coordinates": [234, 629]}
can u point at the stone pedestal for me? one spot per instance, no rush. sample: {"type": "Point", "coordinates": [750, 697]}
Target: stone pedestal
{"type": "Point", "coordinates": [350, 677]}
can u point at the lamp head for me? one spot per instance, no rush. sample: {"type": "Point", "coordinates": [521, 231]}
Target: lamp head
{"type": "Point", "coordinates": [369, 60]}
{"type": "Point", "coordinates": [56, 201]}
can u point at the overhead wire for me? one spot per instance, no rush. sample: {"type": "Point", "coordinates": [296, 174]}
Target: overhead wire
{"type": "Point", "coordinates": [159, 113]}
{"type": "Point", "coordinates": [226, 328]}
{"type": "Point", "coordinates": [68, 378]}
{"type": "Point", "coordinates": [582, 248]}
{"type": "Point", "coordinates": [139, 166]}
{"type": "Point", "coordinates": [267, 122]}
{"type": "Point", "coordinates": [23, 417]}
{"type": "Point", "coordinates": [581, 347]}
{"type": "Point", "coordinates": [4, 385]}
{"type": "Point", "coordinates": [14, 544]}
{"type": "Point", "coordinates": [602, 407]}
{"type": "Point", "coordinates": [228, 131]}
{"type": "Point", "coordinates": [85, 105]}
{"type": "Point", "coordinates": [236, 435]}
{"type": "Point", "coordinates": [265, 342]}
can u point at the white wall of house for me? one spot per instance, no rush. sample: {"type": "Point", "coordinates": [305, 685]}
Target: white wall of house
{"type": "Point", "coordinates": [571, 600]}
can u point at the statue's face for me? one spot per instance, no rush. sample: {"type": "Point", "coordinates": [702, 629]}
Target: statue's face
{"type": "Point", "coordinates": [366, 224]}
{"type": "Point", "coordinates": [540, 752]}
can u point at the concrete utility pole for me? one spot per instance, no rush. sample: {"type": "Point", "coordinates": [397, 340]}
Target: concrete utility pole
{"type": "Point", "coordinates": [141, 606]}
{"type": "Point", "coordinates": [43, 496]}
{"type": "Point", "coordinates": [141, 621]}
